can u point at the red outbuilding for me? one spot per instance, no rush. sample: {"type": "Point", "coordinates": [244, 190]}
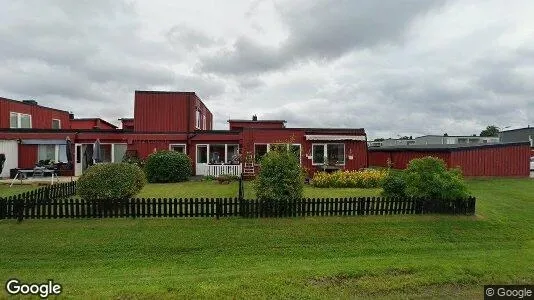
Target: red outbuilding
{"type": "Point", "coordinates": [500, 159]}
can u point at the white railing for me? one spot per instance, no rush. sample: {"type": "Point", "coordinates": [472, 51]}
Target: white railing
{"type": "Point", "coordinates": [216, 170]}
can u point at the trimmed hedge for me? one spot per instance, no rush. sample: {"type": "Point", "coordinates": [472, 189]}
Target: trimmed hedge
{"type": "Point", "coordinates": [168, 166]}
{"type": "Point", "coordinates": [110, 181]}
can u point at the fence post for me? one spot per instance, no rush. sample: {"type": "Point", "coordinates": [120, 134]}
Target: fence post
{"type": "Point", "coordinates": [218, 208]}
{"type": "Point", "coordinates": [20, 208]}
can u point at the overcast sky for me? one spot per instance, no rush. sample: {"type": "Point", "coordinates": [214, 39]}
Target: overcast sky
{"type": "Point", "coordinates": [393, 67]}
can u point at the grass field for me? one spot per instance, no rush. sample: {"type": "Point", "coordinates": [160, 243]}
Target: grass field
{"type": "Point", "coordinates": [322, 257]}
{"type": "Point", "coordinates": [212, 189]}
{"type": "Point", "coordinates": [6, 191]}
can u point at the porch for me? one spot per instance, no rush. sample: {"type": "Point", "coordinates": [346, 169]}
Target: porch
{"type": "Point", "coordinates": [217, 170]}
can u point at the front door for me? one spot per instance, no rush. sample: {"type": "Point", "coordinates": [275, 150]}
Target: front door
{"type": "Point", "coordinates": [201, 160]}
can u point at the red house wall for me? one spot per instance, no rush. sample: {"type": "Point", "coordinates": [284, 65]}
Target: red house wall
{"type": "Point", "coordinates": [90, 124]}
{"type": "Point", "coordinates": [494, 161]}
{"type": "Point", "coordinates": [161, 112]}
{"type": "Point", "coordinates": [236, 125]}
{"type": "Point", "coordinates": [41, 116]}
{"type": "Point", "coordinates": [400, 159]}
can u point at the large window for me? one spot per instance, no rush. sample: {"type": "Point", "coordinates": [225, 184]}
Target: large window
{"type": "Point", "coordinates": [18, 120]}
{"type": "Point", "coordinates": [261, 149]}
{"type": "Point", "coordinates": [119, 150]}
{"type": "Point", "coordinates": [217, 154]}
{"type": "Point", "coordinates": [202, 154]}
{"type": "Point", "coordinates": [331, 154]}
{"type": "Point", "coordinates": [46, 152]}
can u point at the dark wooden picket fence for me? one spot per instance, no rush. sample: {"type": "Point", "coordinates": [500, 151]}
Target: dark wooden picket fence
{"type": "Point", "coordinates": [52, 208]}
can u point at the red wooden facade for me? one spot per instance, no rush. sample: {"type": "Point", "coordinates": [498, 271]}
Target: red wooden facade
{"type": "Point", "coordinates": [510, 159]}
{"type": "Point", "coordinates": [91, 123]}
{"type": "Point", "coordinates": [41, 117]}
{"type": "Point", "coordinates": [169, 112]}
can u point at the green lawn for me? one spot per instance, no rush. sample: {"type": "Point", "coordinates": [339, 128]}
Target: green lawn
{"type": "Point", "coordinates": [212, 189]}
{"type": "Point", "coordinates": [321, 257]}
{"type": "Point", "coordinates": [6, 191]}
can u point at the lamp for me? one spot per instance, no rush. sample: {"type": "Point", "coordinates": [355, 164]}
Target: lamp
{"type": "Point", "coordinates": [350, 154]}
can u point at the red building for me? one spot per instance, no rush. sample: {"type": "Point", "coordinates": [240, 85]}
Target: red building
{"type": "Point", "coordinates": [504, 159]}
{"type": "Point", "coordinates": [177, 121]}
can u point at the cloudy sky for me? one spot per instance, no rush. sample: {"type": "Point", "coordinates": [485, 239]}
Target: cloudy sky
{"type": "Point", "coordinates": [393, 67]}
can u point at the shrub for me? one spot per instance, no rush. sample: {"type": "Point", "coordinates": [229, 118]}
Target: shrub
{"type": "Point", "coordinates": [280, 177]}
{"type": "Point", "coordinates": [168, 166]}
{"type": "Point", "coordinates": [429, 178]}
{"type": "Point", "coordinates": [133, 159]}
{"type": "Point", "coordinates": [110, 181]}
{"type": "Point", "coordinates": [394, 184]}
{"type": "Point", "coordinates": [349, 179]}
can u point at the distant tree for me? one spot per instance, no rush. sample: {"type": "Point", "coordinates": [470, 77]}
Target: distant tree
{"type": "Point", "coordinates": [491, 130]}
{"type": "Point", "coordinates": [446, 134]}
{"type": "Point", "coordinates": [405, 138]}
{"type": "Point", "coordinates": [379, 140]}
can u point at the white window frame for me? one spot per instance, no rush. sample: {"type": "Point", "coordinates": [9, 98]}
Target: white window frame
{"type": "Point", "coordinates": [19, 119]}
{"type": "Point", "coordinates": [226, 158]}
{"type": "Point", "coordinates": [59, 122]}
{"type": "Point", "coordinates": [204, 123]}
{"type": "Point", "coordinates": [325, 149]}
{"type": "Point", "coordinates": [269, 149]}
{"type": "Point", "coordinates": [198, 116]}
{"type": "Point", "coordinates": [184, 145]}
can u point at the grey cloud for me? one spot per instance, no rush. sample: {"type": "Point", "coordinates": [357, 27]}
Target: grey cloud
{"type": "Point", "coordinates": [321, 30]}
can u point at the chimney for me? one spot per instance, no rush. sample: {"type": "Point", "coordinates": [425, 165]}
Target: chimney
{"type": "Point", "coordinates": [30, 102]}
{"type": "Point", "coordinates": [254, 118]}
{"type": "Point", "coordinates": [71, 116]}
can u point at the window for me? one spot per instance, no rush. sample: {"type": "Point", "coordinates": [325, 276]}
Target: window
{"type": "Point", "coordinates": [177, 147]}
{"type": "Point", "coordinates": [197, 118]}
{"type": "Point", "coordinates": [232, 154]}
{"type": "Point", "coordinates": [462, 141]}
{"type": "Point", "coordinates": [202, 154]}
{"type": "Point", "coordinates": [18, 120]}
{"type": "Point", "coordinates": [119, 150]}
{"type": "Point", "coordinates": [56, 124]}
{"type": "Point", "coordinates": [259, 151]}
{"type": "Point", "coordinates": [217, 154]}
{"type": "Point", "coordinates": [333, 153]}
{"type": "Point", "coordinates": [62, 153]}
{"type": "Point", "coordinates": [46, 152]}
{"type": "Point", "coordinates": [13, 120]}
{"type": "Point", "coordinates": [204, 122]}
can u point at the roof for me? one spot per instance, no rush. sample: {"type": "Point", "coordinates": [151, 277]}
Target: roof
{"type": "Point", "coordinates": [257, 121]}
{"type": "Point", "coordinates": [331, 137]}
{"type": "Point", "coordinates": [125, 119]}
{"type": "Point", "coordinates": [37, 105]}
{"type": "Point", "coordinates": [466, 136]}
{"type": "Point", "coordinates": [443, 147]}
{"type": "Point", "coordinates": [165, 92]}
{"type": "Point", "coordinates": [94, 119]}
{"type": "Point", "coordinates": [518, 129]}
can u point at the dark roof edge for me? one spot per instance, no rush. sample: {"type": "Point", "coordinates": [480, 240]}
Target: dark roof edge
{"type": "Point", "coordinates": [164, 92]}
{"type": "Point", "coordinates": [256, 121]}
{"type": "Point", "coordinates": [33, 130]}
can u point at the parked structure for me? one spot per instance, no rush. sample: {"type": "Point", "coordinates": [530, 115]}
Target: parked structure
{"type": "Point", "coordinates": [177, 121]}
{"type": "Point", "coordinates": [497, 159]}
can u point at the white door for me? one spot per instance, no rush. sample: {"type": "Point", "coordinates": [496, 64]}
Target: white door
{"type": "Point", "coordinates": [201, 162]}
{"type": "Point", "coordinates": [11, 150]}
{"type": "Point", "coordinates": [78, 158]}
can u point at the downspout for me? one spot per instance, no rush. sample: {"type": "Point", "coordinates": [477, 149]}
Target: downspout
{"type": "Point", "coordinates": [367, 151]}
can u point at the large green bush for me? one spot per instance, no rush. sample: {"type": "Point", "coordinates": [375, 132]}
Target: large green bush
{"type": "Point", "coordinates": [110, 181]}
{"type": "Point", "coordinates": [429, 178]}
{"type": "Point", "coordinates": [394, 185]}
{"type": "Point", "coordinates": [168, 166]}
{"type": "Point", "coordinates": [280, 178]}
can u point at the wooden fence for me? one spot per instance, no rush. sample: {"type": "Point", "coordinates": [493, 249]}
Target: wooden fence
{"type": "Point", "coordinates": [51, 208]}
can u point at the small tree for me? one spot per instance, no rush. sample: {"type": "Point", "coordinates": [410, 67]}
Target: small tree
{"type": "Point", "coordinates": [491, 130]}
{"type": "Point", "coordinates": [168, 166]}
{"type": "Point", "coordinates": [110, 182]}
{"type": "Point", "coordinates": [429, 178]}
{"type": "Point", "coordinates": [281, 177]}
